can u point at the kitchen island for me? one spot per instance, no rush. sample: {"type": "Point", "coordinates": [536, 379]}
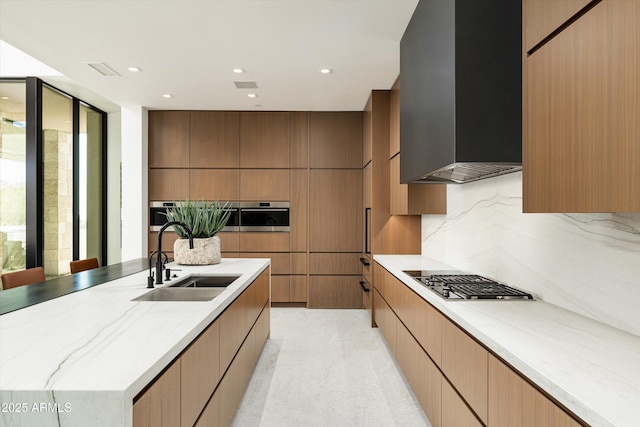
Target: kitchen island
{"type": "Point", "coordinates": [82, 359]}
{"type": "Point", "coordinates": [583, 366]}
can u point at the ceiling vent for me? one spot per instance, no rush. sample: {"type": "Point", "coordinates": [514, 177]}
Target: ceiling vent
{"type": "Point", "coordinates": [103, 69]}
{"type": "Point", "coordinates": [246, 85]}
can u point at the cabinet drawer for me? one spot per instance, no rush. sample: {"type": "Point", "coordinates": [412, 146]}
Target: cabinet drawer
{"type": "Point", "coordinates": [158, 405]}
{"type": "Point", "coordinates": [298, 289]}
{"type": "Point", "coordinates": [514, 402]}
{"type": "Point", "coordinates": [335, 292]}
{"type": "Point", "coordinates": [464, 363]}
{"type": "Point", "coordinates": [298, 263]}
{"type": "Point", "coordinates": [279, 261]}
{"type": "Point", "coordinates": [280, 289]}
{"type": "Point", "coordinates": [454, 411]}
{"type": "Point", "coordinates": [264, 242]}
{"type": "Point", "coordinates": [386, 321]}
{"type": "Point", "coordinates": [335, 263]}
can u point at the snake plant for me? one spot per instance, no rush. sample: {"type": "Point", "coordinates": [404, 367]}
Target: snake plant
{"type": "Point", "coordinates": [205, 218]}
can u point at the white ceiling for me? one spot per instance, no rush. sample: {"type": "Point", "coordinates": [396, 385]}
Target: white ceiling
{"type": "Point", "coordinates": [188, 48]}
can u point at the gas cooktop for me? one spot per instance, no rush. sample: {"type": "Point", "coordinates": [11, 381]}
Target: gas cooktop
{"type": "Point", "coordinates": [456, 285]}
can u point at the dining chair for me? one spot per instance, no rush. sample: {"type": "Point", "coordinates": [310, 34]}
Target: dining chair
{"type": "Point", "coordinates": [23, 277]}
{"type": "Point", "coordinates": [83, 264]}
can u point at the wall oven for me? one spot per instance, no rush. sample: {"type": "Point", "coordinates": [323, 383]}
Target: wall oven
{"type": "Point", "coordinates": [264, 216]}
{"type": "Point", "coordinates": [158, 217]}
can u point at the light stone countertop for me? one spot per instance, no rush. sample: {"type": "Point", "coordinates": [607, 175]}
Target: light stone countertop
{"type": "Point", "coordinates": [590, 367]}
{"type": "Point", "coordinates": [80, 359]}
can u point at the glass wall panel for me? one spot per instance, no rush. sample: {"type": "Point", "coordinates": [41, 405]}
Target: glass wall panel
{"type": "Point", "coordinates": [57, 146]}
{"type": "Point", "coordinates": [13, 201]}
{"type": "Point", "coordinates": [90, 183]}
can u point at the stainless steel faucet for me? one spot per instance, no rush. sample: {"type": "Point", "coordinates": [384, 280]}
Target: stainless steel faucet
{"type": "Point", "coordinates": [159, 254]}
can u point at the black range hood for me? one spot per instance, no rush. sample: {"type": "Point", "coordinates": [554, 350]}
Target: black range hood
{"type": "Point", "coordinates": [461, 91]}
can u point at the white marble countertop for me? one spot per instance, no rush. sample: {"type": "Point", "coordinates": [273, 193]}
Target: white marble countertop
{"type": "Point", "coordinates": [591, 368]}
{"type": "Point", "coordinates": [80, 359]}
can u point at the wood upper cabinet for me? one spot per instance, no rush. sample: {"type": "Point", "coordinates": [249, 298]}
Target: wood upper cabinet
{"type": "Point", "coordinates": [335, 210]}
{"type": "Point", "coordinates": [408, 199]}
{"type": "Point", "coordinates": [264, 139]}
{"type": "Point", "coordinates": [214, 184]}
{"type": "Point", "coordinates": [299, 139]}
{"type": "Point", "coordinates": [168, 139]}
{"type": "Point", "coordinates": [542, 17]}
{"type": "Point", "coordinates": [415, 199]}
{"type": "Point", "coordinates": [168, 184]}
{"type": "Point", "coordinates": [335, 139]}
{"type": "Point", "coordinates": [367, 137]}
{"type": "Point", "coordinates": [264, 185]}
{"type": "Point", "coordinates": [581, 127]}
{"type": "Point", "coordinates": [515, 402]}
{"type": "Point", "coordinates": [214, 139]}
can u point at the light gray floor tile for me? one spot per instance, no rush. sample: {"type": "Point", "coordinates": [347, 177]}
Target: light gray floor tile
{"type": "Point", "coordinates": [326, 368]}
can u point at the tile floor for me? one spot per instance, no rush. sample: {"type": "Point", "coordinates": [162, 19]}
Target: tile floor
{"type": "Point", "coordinates": [327, 368]}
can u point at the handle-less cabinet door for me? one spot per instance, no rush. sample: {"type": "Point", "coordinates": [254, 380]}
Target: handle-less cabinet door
{"type": "Point", "coordinates": [335, 210]}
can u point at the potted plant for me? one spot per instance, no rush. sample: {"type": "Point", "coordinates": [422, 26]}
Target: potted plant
{"type": "Point", "coordinates": [205, 219]}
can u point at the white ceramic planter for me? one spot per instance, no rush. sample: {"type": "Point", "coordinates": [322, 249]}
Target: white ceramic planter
{"type": "Point", "coordinates": [204, 252]}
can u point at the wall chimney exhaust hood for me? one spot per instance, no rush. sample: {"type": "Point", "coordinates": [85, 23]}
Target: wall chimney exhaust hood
{"type": "Point", "coordinates": [461, 91]}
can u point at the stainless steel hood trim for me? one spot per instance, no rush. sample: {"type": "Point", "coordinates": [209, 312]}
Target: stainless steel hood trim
{"type": "Point", "coordinates": [463, 172]}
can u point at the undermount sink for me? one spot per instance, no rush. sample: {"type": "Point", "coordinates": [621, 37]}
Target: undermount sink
{"type": "Point", "coordinates": [205, 282]}
{"type": "Point", "coordinates": [195, 288]}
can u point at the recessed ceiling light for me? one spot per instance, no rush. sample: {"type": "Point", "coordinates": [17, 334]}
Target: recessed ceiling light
{"type": "Point", "coordinates": [238, 70]}
{"type": "Point", "coordinates": [252, 95]}
{"type": "Point", "coordinates": [167, 95]}
{"type": "Point", "coordinates": [326, 70]}
{"type": "Point", "coordinates": [134, 69]}
{"type": "Point", "coordinates": [4, 97]}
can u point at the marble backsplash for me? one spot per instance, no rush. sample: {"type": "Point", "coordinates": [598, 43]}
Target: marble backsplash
{"type": "Point", "coordinates": [587, 263]}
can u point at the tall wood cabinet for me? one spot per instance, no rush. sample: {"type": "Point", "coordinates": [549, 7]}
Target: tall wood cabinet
{"type": "Point", "coordinates": [581, 107]}
{"type": "Point", "coordinates": [335, 209]}
{"type": "Point", "coordinates": [310, 159]}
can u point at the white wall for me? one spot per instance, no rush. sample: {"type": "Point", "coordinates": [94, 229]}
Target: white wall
{"type": "Point", "coordinates": [587, 263]}
{"type": "Point", "coordinates": [134, 183]}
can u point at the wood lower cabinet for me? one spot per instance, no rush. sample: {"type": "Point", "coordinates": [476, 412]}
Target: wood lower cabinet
{"type": "Point", "coordinates": [158, 405]}
{"type": "Point", "coordinates": [222, 358]}
{"type": "Point", "coordinates": [515, 402]}
{"type": "Point", "coordinates": [199, 374]}
{"type": "Point", "coordinates": [455, 413]}
{"type": "Point", "coordinates": [335, 292]}
{"type": "Point", "coordinates": [464, 363]}
{"type": "Point", "coordinates": [457, 381]}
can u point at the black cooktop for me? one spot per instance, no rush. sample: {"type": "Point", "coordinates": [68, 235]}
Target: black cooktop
{"type": "Point", "coordinates": [456, 285]}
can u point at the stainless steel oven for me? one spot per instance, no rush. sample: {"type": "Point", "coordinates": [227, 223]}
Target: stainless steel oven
{"type": "Point", "coordinates": [158, 217]}
{"type": "Point", "coordinates": [264, 216]}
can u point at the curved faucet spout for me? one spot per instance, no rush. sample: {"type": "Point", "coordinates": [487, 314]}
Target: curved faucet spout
{"type": "Point", "coordinates": [159, 262]}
